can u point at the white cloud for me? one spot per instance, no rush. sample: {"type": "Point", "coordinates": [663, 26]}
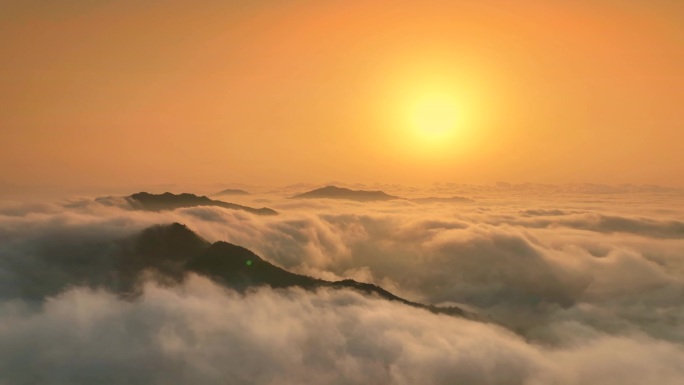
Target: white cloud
{"type": "Point", "coordinates": [583, 293]}
{"type": "Point", "coordinates": [200, 333]}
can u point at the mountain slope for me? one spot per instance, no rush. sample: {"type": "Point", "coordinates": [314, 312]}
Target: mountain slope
{"type": "Point", "coordinates": [237, 267]}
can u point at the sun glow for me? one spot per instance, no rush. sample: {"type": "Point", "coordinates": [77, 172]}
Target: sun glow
{"type": "Point", "coordinates": [434, 115]}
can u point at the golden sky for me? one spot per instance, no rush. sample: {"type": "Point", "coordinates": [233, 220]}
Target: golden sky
{"type": "Point", "coordinates": [270, 92]}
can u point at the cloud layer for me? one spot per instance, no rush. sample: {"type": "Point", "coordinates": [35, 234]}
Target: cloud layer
{"type": "Point", "coordinates": [576, 290]}
{"type": "Point", "coordinates": [199, 333]}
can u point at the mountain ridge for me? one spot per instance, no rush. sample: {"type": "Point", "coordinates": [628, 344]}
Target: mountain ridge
{"type": "Point", "coordinates": [240, 269]}
{"type": "Point", "coordinates": [169, 201]}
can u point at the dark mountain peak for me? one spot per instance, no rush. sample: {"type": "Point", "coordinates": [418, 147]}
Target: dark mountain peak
{"type": "Point", "coordinates": [170, 201]}
{"type": "Point", "coordinates": [174, 240]}
{"type": "Point", "coordinates": [162, 248]}
{"type": "Point", "coordinates": [334, 192]}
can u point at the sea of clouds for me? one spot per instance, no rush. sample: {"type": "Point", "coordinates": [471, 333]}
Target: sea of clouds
{"type": "Point", "coordinates": [581, 285]}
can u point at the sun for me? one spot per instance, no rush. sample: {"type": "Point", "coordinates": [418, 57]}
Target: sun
{"type": "Point", "coordinates": [434, 115]}
{"type": "Point", "coordinates": [434, 119]}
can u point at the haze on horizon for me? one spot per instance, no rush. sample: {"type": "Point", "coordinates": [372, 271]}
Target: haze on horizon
{"type": "Point", "coordinates": [124, 93]}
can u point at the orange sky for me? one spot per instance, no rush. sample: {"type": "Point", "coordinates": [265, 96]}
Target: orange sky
{"type": "Point", "coordinates": [272, 92]}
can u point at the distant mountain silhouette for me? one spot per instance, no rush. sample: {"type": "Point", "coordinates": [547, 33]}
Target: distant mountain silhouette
{"type": "Point", "coordinates": [442, 200]}
{"type": "Point", "coordinates": [231, 191]}
{"type": "Point", "coordinates": [169, 201]}
{"type": "Point", "coordinates": [174, 250]}
{"type": "Point", "coordinates": [334, 192]}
